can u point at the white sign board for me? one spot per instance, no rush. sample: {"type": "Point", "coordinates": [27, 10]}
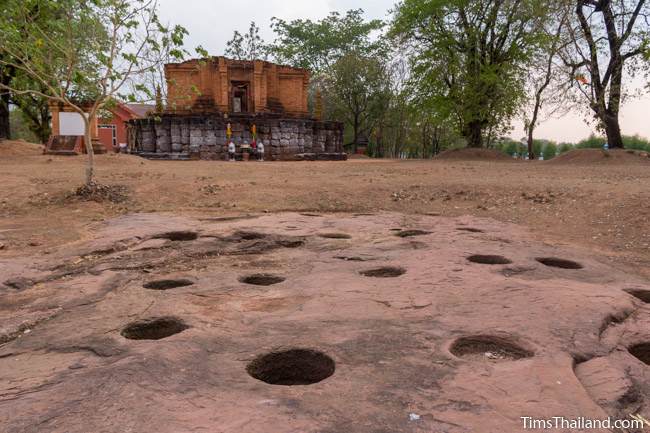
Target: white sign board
{"type": "Point", "coordinates": [71, 124]}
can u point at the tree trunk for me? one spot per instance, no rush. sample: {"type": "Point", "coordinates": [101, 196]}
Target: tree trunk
{"type": "Point", "coordinates": [424, 140]}
{"type": "Point", "coordinates": [356, 133]}
{"type": "Point", "coordinates": [530, 127]}
{"type": "Point", "coordinates": [6, 75]}
{"type": "Point", "coordinates": [474, 134]}
{"type": "Point", "coordinates": [531, 147]}
{"type": "Point", "coordinates": [613, 131]}
{"type": "Point", "coordinates": [380, 142]}
{"type": "Point", "coordinates": [90, 167]}
{"type": "Point", "coordinates": [5, 130]}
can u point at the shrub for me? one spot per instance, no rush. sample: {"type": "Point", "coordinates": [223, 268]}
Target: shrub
{"type": "Point", "coordinates": [636, 142]}
{"type": "Point", "coordinates": [550, 150]}
{"type": "Point", "coordinates": [592, 142]}
{"type": "Point", "coordinates": [565, 147]}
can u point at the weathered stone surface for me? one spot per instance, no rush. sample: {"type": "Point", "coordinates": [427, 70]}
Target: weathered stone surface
{"type": "Point", "coordinates": [19, 283]}
{"type": "Point", "coordinates": [205, 136]}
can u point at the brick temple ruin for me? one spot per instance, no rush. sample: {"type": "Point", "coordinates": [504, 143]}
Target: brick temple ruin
{"type": "Point", "coordinates": [206, 96]}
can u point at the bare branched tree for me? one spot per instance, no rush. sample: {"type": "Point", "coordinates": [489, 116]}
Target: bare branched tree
{"type": "Point", "coordinates": [86, 55]}
{"type": "Point", "coordinates": [546, 85]}
{"type": "Point", "coordinates": [608, 38]}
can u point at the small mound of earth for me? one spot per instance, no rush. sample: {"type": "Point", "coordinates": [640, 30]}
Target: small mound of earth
{"type": "Point", "coordinates": [601, 156]}
{"type": "Point", "coordinates": [9, 148]}
{"type": "Point", "coordinates": [474, 154]}
{"type": "Point", "coordinates": [488, 348]}
{"type": "Point", "coordinates": [98, 192]}
{"type": "Point", "coordinates": [292, 367]}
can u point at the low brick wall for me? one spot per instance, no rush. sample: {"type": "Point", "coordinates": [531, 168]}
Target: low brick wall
{"type": "Point", "coordinates": [204, 136]}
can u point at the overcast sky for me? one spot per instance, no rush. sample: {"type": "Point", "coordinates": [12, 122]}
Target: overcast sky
{"type": "Point", "coordinates": [211, 24]}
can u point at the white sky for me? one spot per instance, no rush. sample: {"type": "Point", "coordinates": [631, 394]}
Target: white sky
{"type": "Point", "coordinates": [211, 24]}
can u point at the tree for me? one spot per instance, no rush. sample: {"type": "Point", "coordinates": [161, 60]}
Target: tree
{"type": "Point", "coordinates": [550, 150]}
{"type": "Point", "coordinates": [33, 108]}
{"type": "Point", "coordinates": [249, 46]}
{"type": "Point", "coordinates": [318, 45]}
{"type": "Point", "coordinates": [546, 86]}
{"type": "Point", "coordinates": [85, 55]}
{"type": "Point", "coordinates": [393, 127]}
{"type": "Point", "coordinates": [36, 114]}
{"type": "Point", "coordinates": [5, 130]}
{"type": "Point", "coordinates": [19, 128]}
{"type": "Point", "coordinates": [565, 147]}
{"type": "Point", "coordinates": [469, 57]}
{"type": "Point", "coordinates": [357, 88]}
{"type": "Point", "coordinates": [347, 57]}
{"type": "Point", "coordinates": [607, 36]}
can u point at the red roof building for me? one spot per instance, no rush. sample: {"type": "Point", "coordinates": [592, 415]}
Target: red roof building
{"type": "Point", "coordinates": [107, 133]}
{"type": "Point", "coordinates": [112, 131]}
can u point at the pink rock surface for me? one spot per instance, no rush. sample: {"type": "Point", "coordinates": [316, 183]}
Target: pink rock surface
{"type": "Point", "coordinates": [390, 337]}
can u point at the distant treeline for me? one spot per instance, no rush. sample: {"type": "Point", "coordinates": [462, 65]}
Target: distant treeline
{"type": "Point", "coordinates": [549, 148]}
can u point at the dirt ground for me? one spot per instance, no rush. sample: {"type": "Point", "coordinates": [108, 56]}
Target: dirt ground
{"type": "Point", "coordinates": [603, 207]}
{"type": "Point", "coordinates": [397, 296]}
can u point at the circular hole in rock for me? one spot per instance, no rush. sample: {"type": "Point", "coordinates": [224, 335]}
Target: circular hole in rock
{"type": "Point", "coordinates": [641, 294]}
{"type": "Point", "coordinates": [335, 235]}
{"type": "Point", "coordinates": [469, 229]}
{"type": "Point", "coordinates": [354, 258]}
{"type": "Point", "coordinates": [641, 352]}
{"type": "Point", "coordinates": [153, 329]}
{"type": "Point", "coordinates": [287, 243]}
{"type": "Point", "coordinates": [488, 348]}
{"type": "Point", "coordinates": [250, 236]}
{"type": "Point", "coordinates": [487, 259]}
{"type": "Point", "coordinates": [178, 236]}
{"type": "Point", "coordinates": [384, 272]}
{"type": "Point", "coordinates": [555, 262]}
{"type": "Point", "coordinates": [409, 233]}
{"type": "Point", "coordinates": [262, 279]}
{"type": "Point", "coordinates": [167, 284]}
{"type": "Point", "coordinates": [292, 367]}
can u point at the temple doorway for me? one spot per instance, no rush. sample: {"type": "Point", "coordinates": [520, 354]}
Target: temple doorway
{"type": "Point", "coordinates": [240, 97]}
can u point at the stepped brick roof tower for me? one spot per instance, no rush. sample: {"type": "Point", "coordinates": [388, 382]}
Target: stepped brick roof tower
{"type": "Point", "coordinates": [237, 86]}
{"type": "Point", "coordinates": [211, 102]}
